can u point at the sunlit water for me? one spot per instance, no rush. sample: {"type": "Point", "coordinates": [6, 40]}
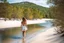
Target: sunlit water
{"type": "Point", "coordinates": [17, 34]}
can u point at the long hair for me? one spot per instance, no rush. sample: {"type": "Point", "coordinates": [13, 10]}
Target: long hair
{"type": "Point", "coordinates": [24, 19]}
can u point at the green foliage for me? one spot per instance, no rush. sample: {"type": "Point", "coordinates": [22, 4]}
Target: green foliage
{"type": "Point", "coordinates": [58, 13]}
{"type": "Point", "coordinates": [23, 9]}
{"type": "Point", "coordinates": [5, 1]}
{"type": "Point", "coordinates": [32, 11]}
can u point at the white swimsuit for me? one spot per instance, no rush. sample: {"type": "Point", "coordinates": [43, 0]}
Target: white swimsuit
{"type": "Point", "coordinates": [24, 28]}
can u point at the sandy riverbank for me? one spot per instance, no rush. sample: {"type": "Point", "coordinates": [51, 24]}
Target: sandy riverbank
{"type": "Point", "coordinates": [48, 36]}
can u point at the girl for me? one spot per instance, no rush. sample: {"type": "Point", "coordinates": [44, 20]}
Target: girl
{"type": "Point", "coordinates": [24, 28]}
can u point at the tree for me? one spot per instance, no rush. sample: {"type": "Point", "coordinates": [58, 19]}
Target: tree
{"type": "Point", "coordinates": [9, 11]}
{"type": "Point", "coordinates": [24, 9]}
{"type": "Point", "coordinates": [58, 6]}
{"type": "Point", "coordinates": [5, 1]}
{"type": "Point", "coordinates": [5, 10]}
{"type": "Point", "coordinates": [30, 13]}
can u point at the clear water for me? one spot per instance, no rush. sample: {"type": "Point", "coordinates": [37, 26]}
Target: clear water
{"type": "Point", "coordinates": [48, 24]}
{"type": "Point", "coordinates": [17, 34]}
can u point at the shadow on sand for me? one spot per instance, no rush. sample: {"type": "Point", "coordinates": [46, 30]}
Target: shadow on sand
{"type": "Point", "coordinates": [55, 38]}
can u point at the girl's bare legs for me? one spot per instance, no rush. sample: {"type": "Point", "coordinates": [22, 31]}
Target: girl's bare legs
{"type": "Point", "coordinates": [24, 36]}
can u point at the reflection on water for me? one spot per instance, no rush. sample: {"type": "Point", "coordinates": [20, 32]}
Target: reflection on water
{"type": "Point", "coordinates": [16, 33]}
{"type": "Point", "coordinates": [48, 24]}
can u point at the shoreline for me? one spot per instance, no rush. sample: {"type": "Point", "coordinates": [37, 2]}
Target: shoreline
{"type": "Point", "coordinates": [11, 24]}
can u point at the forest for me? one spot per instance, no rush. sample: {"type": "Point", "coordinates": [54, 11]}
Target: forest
{"type": "Point", "coordinates": [24, 9]}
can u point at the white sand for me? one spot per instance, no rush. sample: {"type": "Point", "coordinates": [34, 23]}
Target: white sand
{"type": "Point", "coordinates": [48, 36]}
{"type": "Point", "coordinates": [15, 23]}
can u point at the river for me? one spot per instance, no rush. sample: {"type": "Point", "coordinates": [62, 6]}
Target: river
{"type": "Point", "coordinates": [14, 35]}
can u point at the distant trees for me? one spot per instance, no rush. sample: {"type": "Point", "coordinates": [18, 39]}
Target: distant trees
{"type": "Point", "coordinates": [5, 10]}
{"type": "Point", "coordinates": [5, 1]}
{"type": "Point", "coordinates": [26, 9]}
